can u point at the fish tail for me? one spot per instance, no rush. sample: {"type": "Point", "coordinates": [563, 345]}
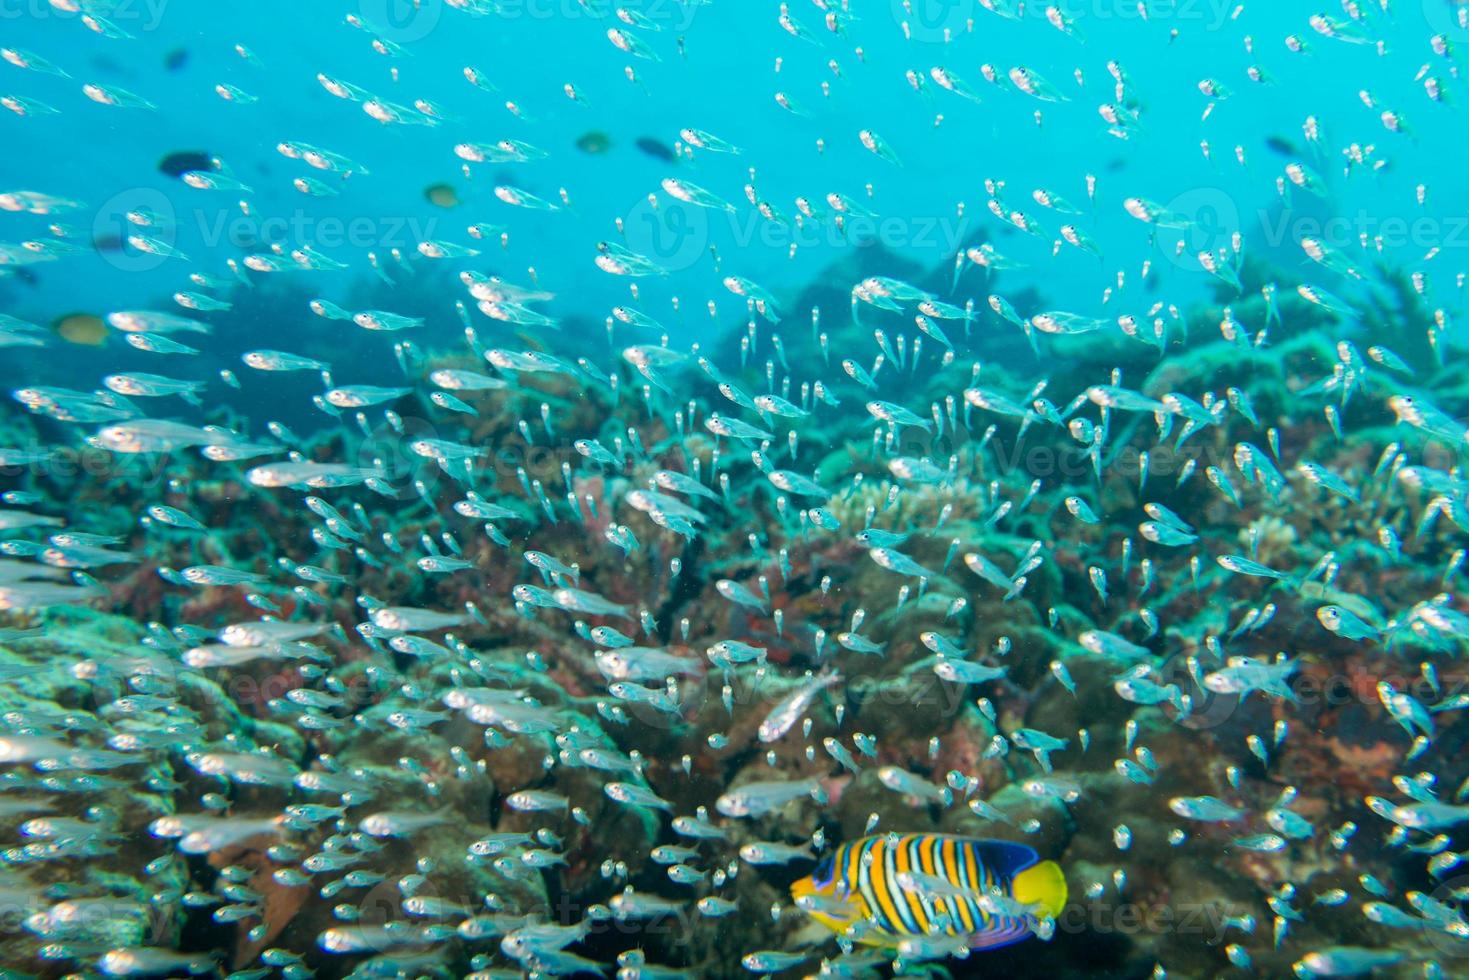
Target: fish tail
{"type": "Point", "coordinates": [1043, 885]}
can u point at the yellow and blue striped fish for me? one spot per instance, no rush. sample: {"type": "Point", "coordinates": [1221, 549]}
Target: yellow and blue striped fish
{"type": "Point", "coordinates": [863, 882]}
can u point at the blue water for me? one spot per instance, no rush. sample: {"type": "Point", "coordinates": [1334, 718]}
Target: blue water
{"type": "Point", "coordinates": [724, 83]}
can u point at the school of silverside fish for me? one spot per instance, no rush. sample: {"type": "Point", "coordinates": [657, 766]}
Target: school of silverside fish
{"type": "Point", "coordinates": [897, 628]}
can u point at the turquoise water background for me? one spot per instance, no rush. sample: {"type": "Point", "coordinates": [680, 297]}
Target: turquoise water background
{"type": "Point", "coordinates": [724, 83]}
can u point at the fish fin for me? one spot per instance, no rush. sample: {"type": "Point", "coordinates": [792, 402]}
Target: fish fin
{"type": "Point", "coordinates": [1043, 885]}
{"type": "Point", "coordinates": [836, 923]}
{"type": "Point", "coordinates": [998, 938]}
{"type": "Point", "coordinates": [802, 887]}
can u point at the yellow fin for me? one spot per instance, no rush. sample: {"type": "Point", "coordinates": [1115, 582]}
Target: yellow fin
{"type": "Point", "coordinates": [839, 924]}
{"type": "Point", "coordinates": [1042, 885]}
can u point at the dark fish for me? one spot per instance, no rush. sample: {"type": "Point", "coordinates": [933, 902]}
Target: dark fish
{"type": "Point", "coordinates": [180, 162]}
{"type": "Point", "coordinates": [1281, 145]}
{"type": "Point", "coordinates": [595, 142]}
{"type": "Point", "coordinates": [176, 59]}
{"type": "Point", "coordinates": [107, 242]}
{"type": "Point", "coordinates": [656, 149]}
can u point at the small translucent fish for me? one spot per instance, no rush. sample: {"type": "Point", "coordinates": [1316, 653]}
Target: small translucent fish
{"type": "Point", "coordinates": [158, 344]}
{"type": "Point", "coordinates": [174, 518]}
{"type": "Point", "coordinates": [146, 961]}
{"type": "Point", "coordinates": [1346, 961]}
{"type": "Point", "coordinates": [739, 594]}
{"type": "Point", "coordinates": [578, 600]}
{"type": "Point", "coordinates": [1268, 843]}
{"type": "Point", "coordinates": [536, 800]}
{"type": "Point", "coordinates": [707, 141]}
{"type": "Point", "coordinates": [359, 396]}
{"type": "Point", "coordinates": [635, 795]}
{"type": "Point", "coordinates": [770, 852]}
{"type": "Point", "coordinates": [783, 717]}
{"type": "Point", "coordinates": [114, 96]}
{"type": "Point", "coordinates": [756, 799]}
{"type": "Point", "coordinates": [274, 360]}
{"type": "Point", "coordinates": [382, 320]}
{"type": "Point", "coordinates": [1345, 623]}
{"type": "Point", "coordinates": [1207, 809]}
{"type": "Point", "coordinates": [901, 781]}
{"type": "Point", "coordinates": [713, 906]}
{"type": "Point", "coordinates": [22, 58]}
{"type": "Point", "coordinates": [771, 961]}
{"type": "Point", "coordinates": [1248, 566]}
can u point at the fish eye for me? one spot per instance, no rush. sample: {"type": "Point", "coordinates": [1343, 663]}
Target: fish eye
{"type": "Point", "coordinates": [822, 876]}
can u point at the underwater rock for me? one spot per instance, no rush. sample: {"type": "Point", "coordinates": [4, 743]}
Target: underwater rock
{"type": "Point", "coordinates": [117, 888]}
